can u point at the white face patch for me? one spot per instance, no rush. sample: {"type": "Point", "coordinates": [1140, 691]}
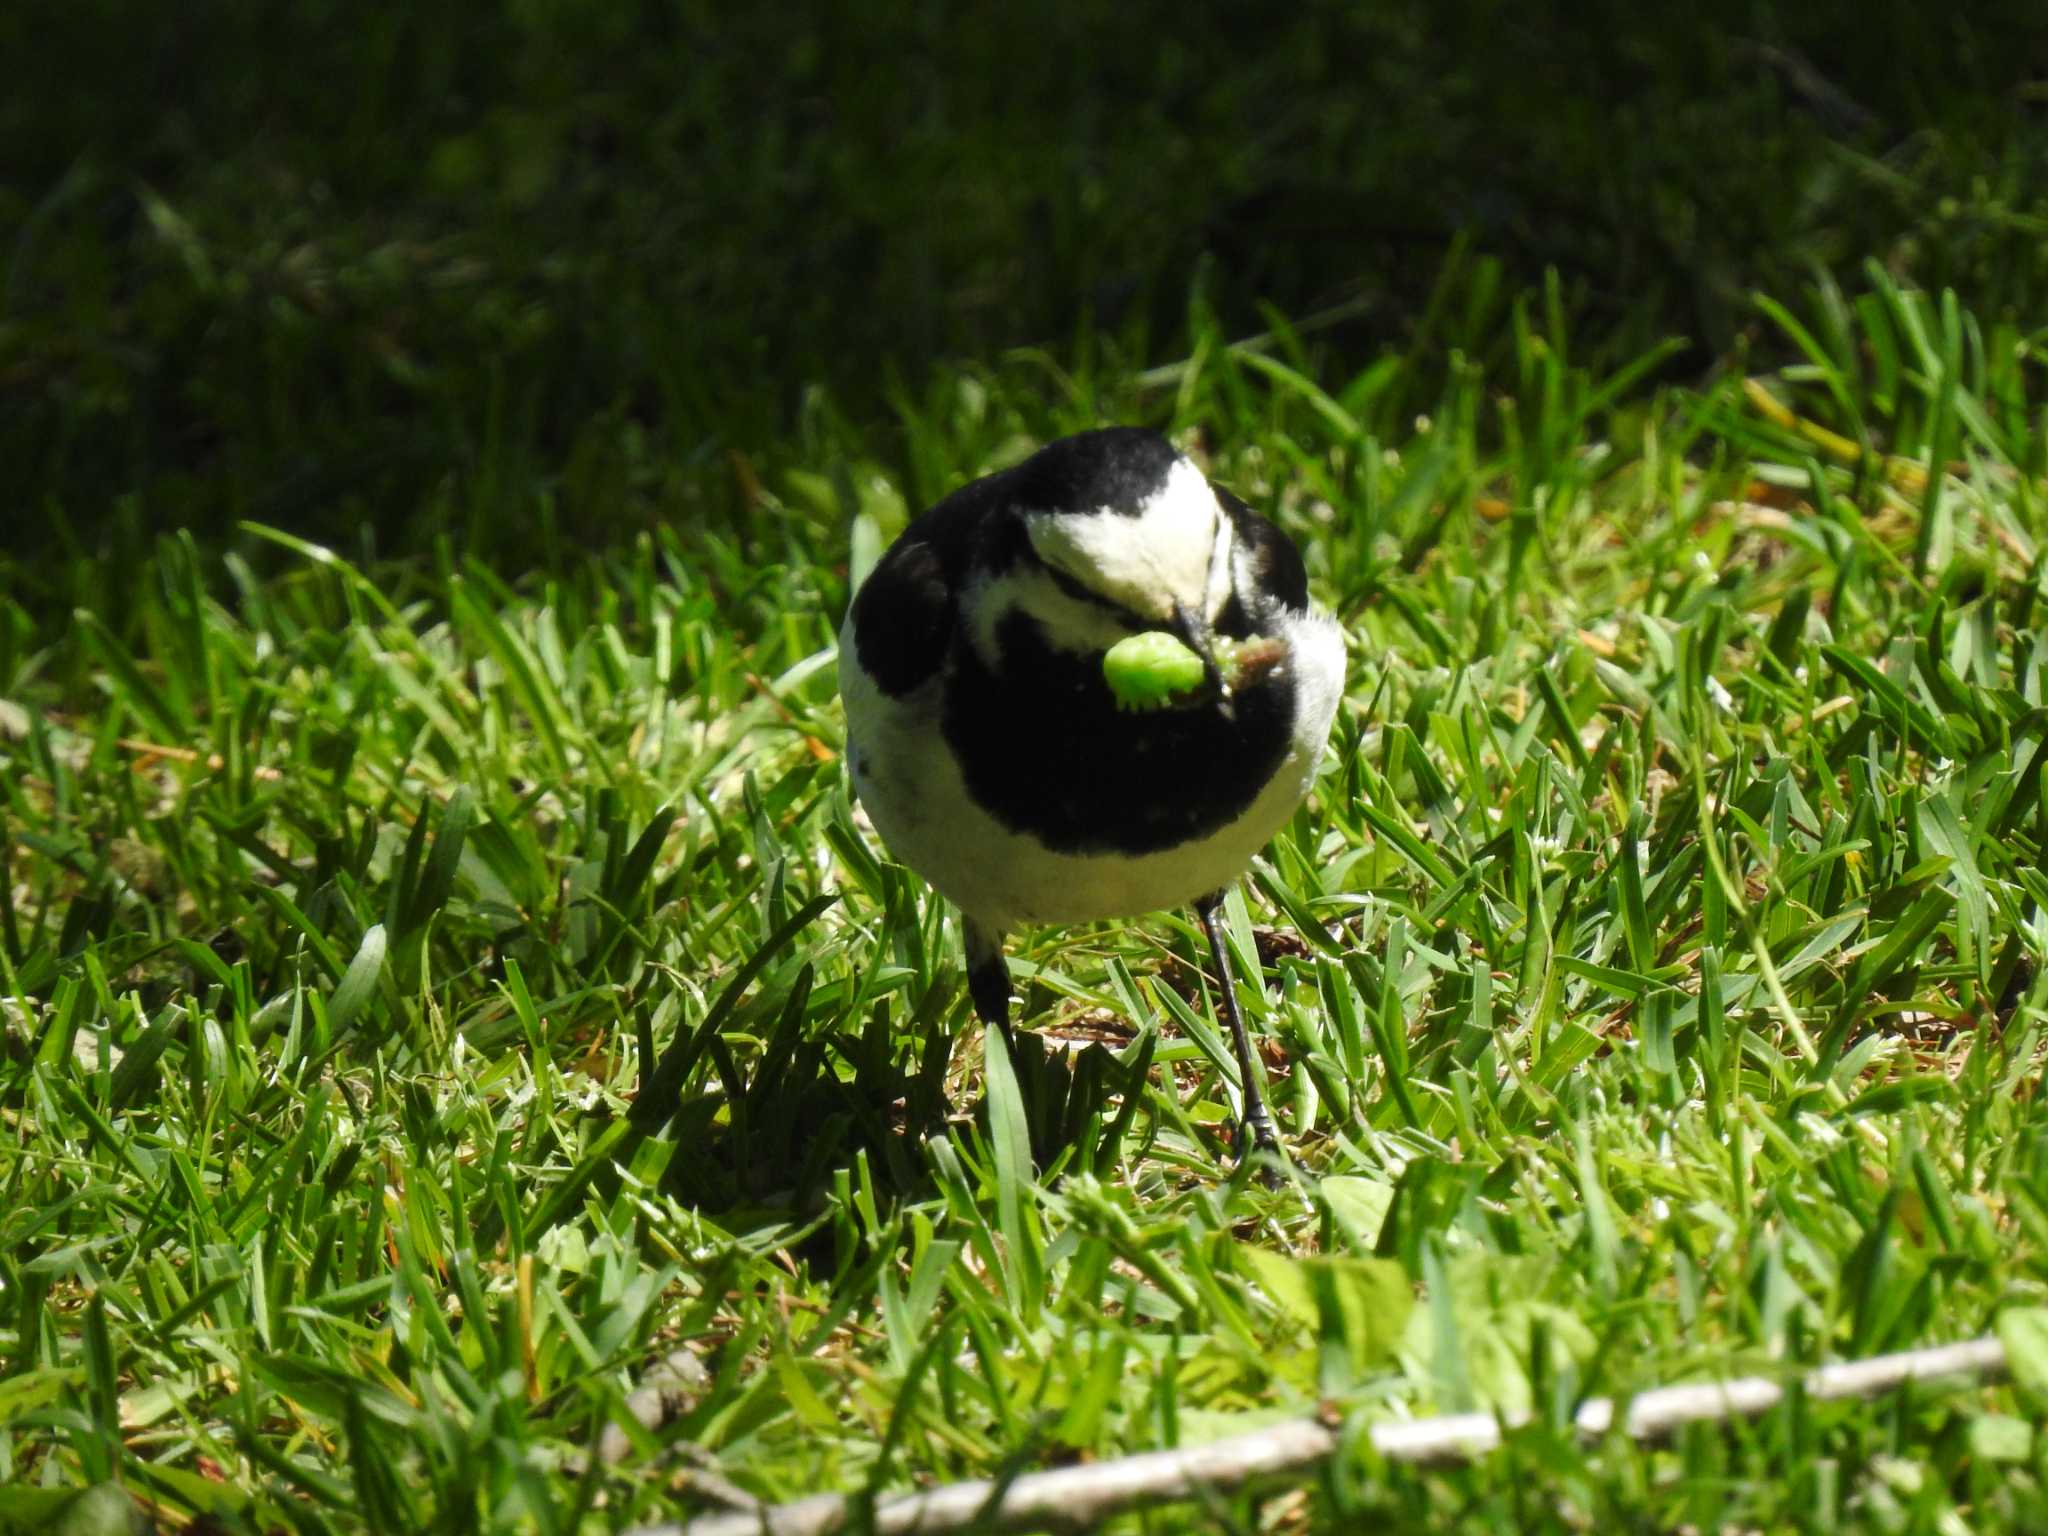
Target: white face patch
{"type": "Point", "coordinates": [1069, 623]}
{"type": "Point", "coordinates": [1174, 549]}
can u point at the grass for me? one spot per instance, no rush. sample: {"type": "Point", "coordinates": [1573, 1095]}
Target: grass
{"type": "Point", "coordinates": [493, 271]}
{"type": "Point", "coordinates": [435, 995]}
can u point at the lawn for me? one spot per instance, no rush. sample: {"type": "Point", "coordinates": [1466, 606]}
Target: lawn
{"type": "Point", "coordinates": [437, 1000]}
{"type": "Point", "coordinates": [465, 1065]}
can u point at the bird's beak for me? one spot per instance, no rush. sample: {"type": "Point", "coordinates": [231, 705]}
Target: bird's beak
{"type": "Point", "coordinates": [1193, 631]}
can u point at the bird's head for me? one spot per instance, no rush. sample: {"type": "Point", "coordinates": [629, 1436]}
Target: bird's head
{"type": "Point", "coordinates": [1124, 534]}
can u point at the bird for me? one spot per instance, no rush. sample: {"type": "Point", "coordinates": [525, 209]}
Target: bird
{"type": "Point", "coordinates": [995, 761]}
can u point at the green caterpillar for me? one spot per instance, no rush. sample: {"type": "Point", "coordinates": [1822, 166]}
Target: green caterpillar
{"type": "Point", "coordinates": [1155, 670]}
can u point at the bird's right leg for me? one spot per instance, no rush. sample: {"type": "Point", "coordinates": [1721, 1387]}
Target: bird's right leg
{"type": "Point", "coordinates": [1041, 1076]}
{"type": "Point", "coordinates": [988, 978]}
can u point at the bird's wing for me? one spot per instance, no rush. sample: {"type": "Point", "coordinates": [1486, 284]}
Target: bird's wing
{"type": "Point", "coordinates": [903, 617]}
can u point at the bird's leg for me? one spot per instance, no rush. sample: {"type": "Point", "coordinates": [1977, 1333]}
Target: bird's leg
{"type": "Point", "coordinates": [988, 978]}
{"type": "Point", "coordinates": [1258, 1125]}
{"type": "Point", "coordinates": [988, 983]}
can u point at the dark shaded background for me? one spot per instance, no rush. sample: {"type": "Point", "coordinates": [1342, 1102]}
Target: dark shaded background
{"type": "Point", "coordinates": [383, 273]}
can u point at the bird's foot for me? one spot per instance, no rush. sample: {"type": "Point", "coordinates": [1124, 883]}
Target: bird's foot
{"type": "Point", "coordinates": [1257, 1141]}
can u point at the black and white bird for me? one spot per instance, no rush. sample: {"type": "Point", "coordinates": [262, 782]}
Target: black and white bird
{"type": "Point", "coordinates": [988, 749]}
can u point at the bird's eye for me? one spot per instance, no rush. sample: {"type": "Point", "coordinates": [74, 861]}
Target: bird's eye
{"type": "Point", "coordinates": [1085, 594]}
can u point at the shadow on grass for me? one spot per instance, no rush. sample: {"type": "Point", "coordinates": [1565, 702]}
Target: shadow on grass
{"type": "Point", "coordinates": [780, 1134]}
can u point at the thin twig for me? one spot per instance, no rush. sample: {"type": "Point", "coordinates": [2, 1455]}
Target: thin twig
{"type": "Point", "coordinates": [1071, 1496]}
{"type": "Point", "coordinates": [665, 1392]}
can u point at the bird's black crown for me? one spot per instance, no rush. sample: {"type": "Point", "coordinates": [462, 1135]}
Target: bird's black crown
{"type": "Point", "coordinates": [1117, 469]}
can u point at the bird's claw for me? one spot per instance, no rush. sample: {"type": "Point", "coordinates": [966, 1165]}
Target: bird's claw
{"type": "Point", "coordinates": [1257, 1140]}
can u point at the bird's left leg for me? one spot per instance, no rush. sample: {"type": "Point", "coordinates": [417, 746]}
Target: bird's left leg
{"type": "Point", "coordinates": [1258, 1125]}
